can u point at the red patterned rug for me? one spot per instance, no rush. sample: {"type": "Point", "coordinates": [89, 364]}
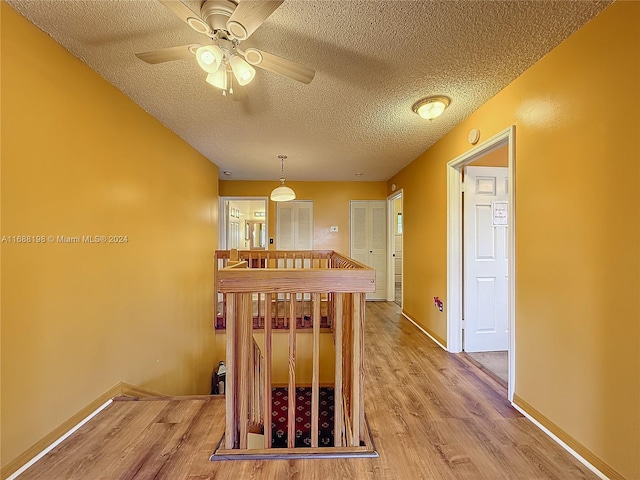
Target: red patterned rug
{"type": "Point", "coordinates": [303, 417]}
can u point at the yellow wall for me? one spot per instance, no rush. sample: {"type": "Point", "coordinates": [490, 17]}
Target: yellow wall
{"type": "Point", "coordinates": [577, 117]}
{"type": "Point", "coordinates": [80, 158]}
{"type": "Point", "coordinates": [498, 157]}
{"type": "Point", "coordinates": [330, 205]}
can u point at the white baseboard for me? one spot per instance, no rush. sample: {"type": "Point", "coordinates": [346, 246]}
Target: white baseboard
{"type": "Point", "coordinates": [31, 462]}
{"type": "Point", "coordinates": [578, 457]}
{"type": "Point", "coordinates": [425, 332]}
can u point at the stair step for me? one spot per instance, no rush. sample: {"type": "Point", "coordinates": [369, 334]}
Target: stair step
{"type": "Point", "coordinates": [303, 417]}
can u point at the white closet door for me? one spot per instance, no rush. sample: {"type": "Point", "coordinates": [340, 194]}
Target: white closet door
{"type": "Point", "coordinates": [284, 227]}
{"type": "Point", "coordinates": [378, 248]}
{"type": "Point", "coordinates": [369, 240]}
{"type": "Point", "coordinates": [359, 250]}
{"type": "Point", "coordinates": [304, 227]}
{"type": "Point", "coordinates": [294, 225]}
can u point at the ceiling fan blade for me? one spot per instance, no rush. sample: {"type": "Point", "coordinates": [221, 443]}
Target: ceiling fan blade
{"type": "Point", "coordinates": [276, 64]}
{"type": "Point", "coordinates": [249, 15]}
{"type": "Point", "coordinates": [188, 16]}
{"type": "Point", "coordinates": [168, 54]}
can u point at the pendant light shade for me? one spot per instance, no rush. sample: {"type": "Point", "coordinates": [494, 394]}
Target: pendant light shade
{"type": "Point", "coordinates": [282, 193]}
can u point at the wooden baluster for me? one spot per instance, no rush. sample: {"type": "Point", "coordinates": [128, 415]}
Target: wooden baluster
{"type": "Point", "coordinates": [357, 370]}
{"type": "Point", "coordinates": [337, 391]}
{"type": "Point", "coordinates": [267, 372]}
{"type": "Point", "coordinates": [331, 310]}
{"type": "Point", "coordinates": [229, 385]}
{"type": "Point", "coordinates": [246, 361]}
{"type": "Point", "coordinates": [252, 392]}
{"type": "Point", "coordinates": [285, 315]}
{"type": "Point", "coordinates": [291, 421]}
{"type": "Point", "coordinates": [260, 322]}
{"type": "Point", "coordinates": [361, 325]}
{"type": "Point", "coordinates": [347, 333]}
{"type": "Point", "coordinates": [224, 311]}
{"type": "Point", "coordinates": [315, 379]}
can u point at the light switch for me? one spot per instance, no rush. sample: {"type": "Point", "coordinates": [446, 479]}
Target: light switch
{"type": "Point", "coordinates": [333, 228]}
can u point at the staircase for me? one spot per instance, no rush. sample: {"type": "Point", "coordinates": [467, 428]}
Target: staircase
{"type": "Point", "coordinates": [279, 431]}
{"type": "Point", "coordinates": [274, 290]}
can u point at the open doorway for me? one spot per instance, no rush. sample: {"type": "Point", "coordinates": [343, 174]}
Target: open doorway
{"type": "Point", "coordinates": [244, 223]}
{"type": "Point", "coordinates": [480, 237]}
{"type": "Point", "coordinates": [394, 269]}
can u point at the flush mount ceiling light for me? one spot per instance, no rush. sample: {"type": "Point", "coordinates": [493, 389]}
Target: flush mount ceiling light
{"type": "Point", "coordinates": [282, 193]}
{"type": "Point", "coordinates": [431, 107]}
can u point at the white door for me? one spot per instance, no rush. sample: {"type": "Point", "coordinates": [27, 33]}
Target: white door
{"type": "Point", "coordinates": [486, 325]}
{"type": "Point", "coordinates": [369, 240]}
{"type": "Point", "coordinates": [294, 225]}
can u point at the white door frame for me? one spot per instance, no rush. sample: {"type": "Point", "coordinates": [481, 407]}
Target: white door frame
{"type": "Point", "coordinates": [454, 244]}
{"type": "Point", "coordinates": [391, 266]}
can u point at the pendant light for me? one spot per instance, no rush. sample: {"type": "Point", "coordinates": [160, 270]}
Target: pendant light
{"type": "Point", "coordinates": [282, 193]}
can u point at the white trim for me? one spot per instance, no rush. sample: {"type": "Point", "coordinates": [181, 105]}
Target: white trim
{"type": "Point", "coordinates": [454, 245]}
{"type": "Point", "coordinates": [561, 443]}
{"type": "Point", "coordinates": [391, 267]}
{"type": "Point", "coordinates": [425, 332]}
{"type": "Point", "coordinates": [31, 462]}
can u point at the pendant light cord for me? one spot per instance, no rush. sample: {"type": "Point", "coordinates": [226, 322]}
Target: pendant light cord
{"type": "Point", "coordinates": [282, 157]}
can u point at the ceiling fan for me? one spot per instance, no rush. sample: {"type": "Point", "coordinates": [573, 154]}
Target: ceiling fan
{"type": "Point", "coordinates": [228, 23]}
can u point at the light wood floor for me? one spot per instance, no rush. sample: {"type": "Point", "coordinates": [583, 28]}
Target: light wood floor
{"type": "Point", "coordinates": [432, 415]}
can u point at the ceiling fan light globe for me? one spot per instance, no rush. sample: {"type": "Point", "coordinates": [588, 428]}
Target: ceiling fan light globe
{"type": "Point", "coordinates": [209, 57]}
{"type": "Point", "coordinates": [243, 72]}
{"type": "Point", "coordinates": [218, 79]}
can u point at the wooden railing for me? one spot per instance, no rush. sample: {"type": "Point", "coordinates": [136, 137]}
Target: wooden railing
{"type": "Point", "coordinates": [310, 284]}
{"type": "Point", "coordinates": [276, 259]}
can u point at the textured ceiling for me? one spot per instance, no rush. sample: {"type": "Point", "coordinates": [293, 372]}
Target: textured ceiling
{"type": "Point", "coordinates": [373, 60]}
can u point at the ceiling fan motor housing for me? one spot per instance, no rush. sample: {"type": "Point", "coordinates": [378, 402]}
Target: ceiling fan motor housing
{"type": "Point", "coordinates": [217, 12]}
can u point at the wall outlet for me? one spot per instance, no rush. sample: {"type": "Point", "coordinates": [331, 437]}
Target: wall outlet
{"type": "Point", "coordinates": [438, 303]}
